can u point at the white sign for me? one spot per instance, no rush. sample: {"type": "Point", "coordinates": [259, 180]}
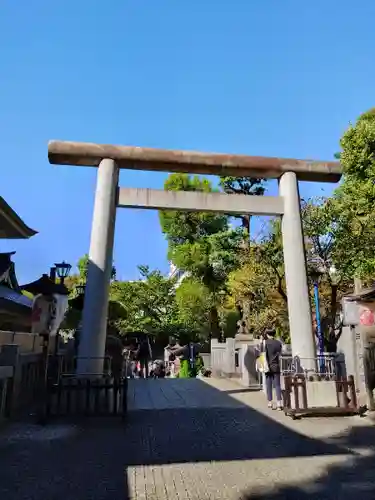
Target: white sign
{"type": "Point", "coordinates": [350, 312]}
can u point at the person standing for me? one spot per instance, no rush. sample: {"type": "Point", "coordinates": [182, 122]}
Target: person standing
{"type": "Point", "coordinates": [189, 364]}
{"type": "Point", "coordinates": [170, 359]}
{"type": "Point", "coordinates": [130, 361]}
{"type": "Point", "coordinates": [144, 356]}
{"type": "Point", "coordinates": [273, 349]}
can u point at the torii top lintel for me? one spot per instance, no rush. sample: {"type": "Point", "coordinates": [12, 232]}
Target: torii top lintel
{"type": "Point", "coordinates": [137, 158]}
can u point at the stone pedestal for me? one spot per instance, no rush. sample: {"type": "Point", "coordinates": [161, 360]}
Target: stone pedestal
{"type": "Point", "coordinates": [244, 338]}
{"type": "Point", "coordinates": [229, 367]}
{"type": "Point", "coordinates": [321, 394]}
{"type": "Point", "coordinates": [249, 376]}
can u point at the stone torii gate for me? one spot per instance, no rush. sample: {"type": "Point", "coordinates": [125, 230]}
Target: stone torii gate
{"type": "Point", "coordinates": [109, 159]}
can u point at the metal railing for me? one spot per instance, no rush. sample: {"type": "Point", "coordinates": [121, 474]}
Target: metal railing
{"type": "Point", "coordinates": [67, 393]}
{"type": "Point", "coordinates": [64, 366]}
{"type": "Point", "coordinates": [328, 366]}
{"type": "Point", "coordinates": [73, 397]}
{"type": "Point", "coordinates": [6, 374]}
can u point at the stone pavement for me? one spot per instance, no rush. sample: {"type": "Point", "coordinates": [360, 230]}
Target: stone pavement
{"type": "Point", "coordinates": [190, 439]}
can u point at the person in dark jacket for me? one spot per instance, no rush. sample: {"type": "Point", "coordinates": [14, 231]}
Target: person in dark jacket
{"type": "Point", "coordinates": [273, 349]}
{"type": "Point", "coordinates": [144, 356]}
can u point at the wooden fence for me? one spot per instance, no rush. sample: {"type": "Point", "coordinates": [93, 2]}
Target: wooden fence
{"type": "Point", "coordinates": [296, 399]}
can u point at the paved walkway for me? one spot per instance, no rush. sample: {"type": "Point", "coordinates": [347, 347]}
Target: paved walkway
{"type": "Point", "coordinates": [193, 440]}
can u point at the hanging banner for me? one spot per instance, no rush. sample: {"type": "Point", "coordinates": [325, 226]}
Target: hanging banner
{"type": "Point", "coordinates": [41, 314]}
{"type": "Point", "coordinates": [57, 315]}
{"type": "Point", "coordinates": [48, 313]}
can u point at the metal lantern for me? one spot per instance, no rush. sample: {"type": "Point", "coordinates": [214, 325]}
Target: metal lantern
{"type": "Point", "coordinates": [334, 275]}
{"type": "Point", "coordinates": [80, 289]}
{"type": "Point", "coordinates": [63, 270]}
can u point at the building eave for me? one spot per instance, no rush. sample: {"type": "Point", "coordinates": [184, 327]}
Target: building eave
{"type": "Point", "coordinates": [11, 224]}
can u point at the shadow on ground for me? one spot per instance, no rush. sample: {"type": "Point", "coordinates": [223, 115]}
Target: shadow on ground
{"type": "Point", "coordinates": [90, 460]}
{"type": "Point", "coordinates": [215, 434]}
{"type": "Point", "coordinates": [344, 482]}
{"type": "Point", "coordinates": [62, 461]}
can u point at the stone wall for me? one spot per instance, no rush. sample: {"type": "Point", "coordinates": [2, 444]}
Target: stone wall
{"type": "Point", "coordinates": [27, 342]}
{"type": "Point", "coordinates": [235, 359]}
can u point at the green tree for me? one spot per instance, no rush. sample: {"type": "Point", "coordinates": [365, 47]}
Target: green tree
{"type": "Point", "coordinates": [352, 206]}
{"type": "Point", "coordinates": [188, 227]}
{"type": "Point", "coordinates": [148, 305]}
{"type": "Point", "coordinates": [82, 266]}
{"type": "Point", "coordinates": [262, 286]}
{"type": "Point", "coordinates": [200, 243]}
{"type": "Point", "coordinates": [247, 186]}
{"type": "Point", "coordinates": [210, 260]}
{"type": "Point", "coordinates": [194, 302]}
{"type": "Point", "coordinates": [145, 305]}
{"type": "Point", "coordinates": [270, 252]}
{"type": "Point", "coordinates": [323, 246]}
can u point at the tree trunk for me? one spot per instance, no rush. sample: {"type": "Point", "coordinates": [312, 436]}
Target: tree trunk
{"type": "Point", "coordinates": [246, 225]}
{"type": "Point", "coordinates": [245, 314]}
{"type": "Point", "coordinates": [214, 323]}
{"type": "Point", "coordinates": [357, 285]}
{"type": "Point", "coordinates": [333, 305]}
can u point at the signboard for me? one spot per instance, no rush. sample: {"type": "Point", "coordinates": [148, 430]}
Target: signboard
{"type": "Point", "coordinates": [350, 313]}
{"type": "Point", "coordinates": [60, 309]}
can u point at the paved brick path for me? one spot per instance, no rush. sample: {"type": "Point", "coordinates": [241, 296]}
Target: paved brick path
{"type": "Point", "coordinates": [189, 439]}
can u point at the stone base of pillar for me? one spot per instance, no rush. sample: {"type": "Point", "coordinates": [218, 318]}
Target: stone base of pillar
{"type": "Point", "coordinates": [244, 338]}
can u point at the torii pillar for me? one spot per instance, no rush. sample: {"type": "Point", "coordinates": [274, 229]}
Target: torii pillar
{"type": "Point", "coordinates": [299, 308]}
{"type": "Point", "coordinates": [108, 197]}
{"type": "Point", "coordinates": [95, 311]}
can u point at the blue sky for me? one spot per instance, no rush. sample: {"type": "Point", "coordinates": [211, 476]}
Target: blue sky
{"type": "Point", "coordinates": [261, 77]}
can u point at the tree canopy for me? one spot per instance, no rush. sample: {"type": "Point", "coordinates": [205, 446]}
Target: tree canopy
{"type": "Point", "coordinates": [246, 186]}
{"type": "Point", "coordinates": [352, 206]}
{"type": "Point", "coordinates": [201, 244]}
{"type": "Point", "coordinates": [187, 227]}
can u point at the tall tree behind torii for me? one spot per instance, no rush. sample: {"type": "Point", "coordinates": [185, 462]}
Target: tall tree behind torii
{"type": "Point", "coordinates": [250, 186]}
